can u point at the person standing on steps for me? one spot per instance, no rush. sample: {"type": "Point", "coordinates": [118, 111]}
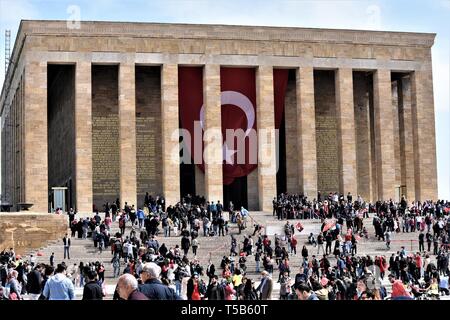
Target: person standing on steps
{"type": "Point", "coordinates": [421, 242]}
{"type": "Point", "coordinates": [66, 242]}
{"type": "Point", "coordinates": [92, 290]}
{"type": "Point", "coordinates": [71, 215]}
{"type": "Point", "coordinates": [194, 246]}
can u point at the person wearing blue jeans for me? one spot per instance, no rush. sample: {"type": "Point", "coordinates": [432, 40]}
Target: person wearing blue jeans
{"type": "Point", "coordinates": [66, 241]}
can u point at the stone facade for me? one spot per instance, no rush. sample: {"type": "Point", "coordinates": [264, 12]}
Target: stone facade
{"type": "Point", "coordinates": [124, 118]}
{"type": "Point", "coordinates": [384, 123]}
{"type": "Point", "coordinates": [265, 123]}
{"type": "Point", "coordinates": [306, 133]}
{"type": "Point", "coordinates": [148, 131]}
{"type": "Point", "coordinates": [105, 135]}
{"type": "Point", "coordinates": [83, 136]}
{"type": "Point", "coordinates": [169, 136]}
{"type": "Point", "coordinates": [326, 132]}
{"type": "Point", "coordinates": [212, 142]}
{"type": "Point", "coordinates": [35, 136]}
{"type": "Point", "coordinates": [127, 132]}
{"type": "Point", "coordinates": [25, 232]}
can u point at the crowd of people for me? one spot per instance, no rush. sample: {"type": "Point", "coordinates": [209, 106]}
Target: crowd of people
{"type": "Point", "coordinates": [330, 267]}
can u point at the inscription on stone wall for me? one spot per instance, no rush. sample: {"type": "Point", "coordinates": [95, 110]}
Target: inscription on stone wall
{"type": "Point", "coordinates": [326, 132]}
{"type": "Point", "coordinates": [105, 134]}
{"type": "Point", "coordinates": [327, 154]}
{"type": "Point", "coordinates": [105, 156]}
{"type": "Point", "coordinates": [148, 132]}
{"type": "Point", "coordinates": [145, 151]}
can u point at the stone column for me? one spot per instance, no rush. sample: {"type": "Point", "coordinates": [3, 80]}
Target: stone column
{"type": "Point", "coordinates": [35, 137]}
{"type": "Point", "coordinates": [306, 128]}
{"type": "Point", "coordinates": [424, 134]}
{"type": "Point", "coordinates": [83, 137]}
{"type": "Point", "coordinates": [127, 133]}
{"type": "Point", "coordinates": [265, 122]}
{"type": "Point", "coordinates": [406, 131]}
{"type": "Point", "coordinates": [384, 126]}
{"type": "Point", "coordinates": [170, 134]}
{"type": "Point", "coordinates": [346, 131]}
{"type": "Point", "coordinates": [395, 86]}
{"type": "Point", "coordinates": [213, 155]}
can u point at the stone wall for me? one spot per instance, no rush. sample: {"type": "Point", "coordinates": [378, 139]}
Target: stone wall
{"type": "Point", "coordinates": [105, 134]}
{"type": "Point", "coordinates": [12, 153]}
{"type": "Point", "coordinates": [148, 132]}
{"type": "Point", "coordinates": [30, 231]}
{"type": "Point", "coordinates": [326, 132]}
{"type": "Point", "coordinates": [61, 132]}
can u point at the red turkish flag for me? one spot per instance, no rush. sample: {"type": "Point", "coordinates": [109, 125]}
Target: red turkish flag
{"type": "Point", "coordinates": [238, 98]}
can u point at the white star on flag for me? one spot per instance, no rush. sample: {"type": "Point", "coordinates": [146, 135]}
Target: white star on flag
{"type": "Point", "coordinates": [228, 154]}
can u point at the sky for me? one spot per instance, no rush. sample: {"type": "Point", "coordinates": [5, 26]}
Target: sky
{"type": "Point", "coordinates": [388, 15]}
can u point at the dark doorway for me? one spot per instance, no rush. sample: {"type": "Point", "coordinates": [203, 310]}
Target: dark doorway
{"type": "Point", "coordinates": [187, 179]}
{"type": "Point", "coordinates": [236, 192]}
{"type": "Point", "coordinates": [61, 127]}
{"type": "Point", "coordinates": [187, 174]}
{"type": "Point", "coordinates": [281, 173]}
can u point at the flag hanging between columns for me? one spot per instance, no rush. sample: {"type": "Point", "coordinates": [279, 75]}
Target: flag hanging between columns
{"type": "Point", "coordinates": [238, 100]}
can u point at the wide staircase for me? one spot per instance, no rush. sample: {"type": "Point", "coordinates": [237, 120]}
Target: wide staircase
{"type": "Point", "coordinates": [216, 247]}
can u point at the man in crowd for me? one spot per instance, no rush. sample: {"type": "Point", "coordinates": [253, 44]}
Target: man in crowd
{"type": "Point", "coordinates": [59, 287]}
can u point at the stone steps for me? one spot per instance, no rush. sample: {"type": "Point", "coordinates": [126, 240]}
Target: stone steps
{"type": "Point", "coordinates": [218, 246]}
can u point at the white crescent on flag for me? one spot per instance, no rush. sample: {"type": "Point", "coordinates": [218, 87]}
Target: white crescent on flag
{"type": "Point", "coordinates": [236, 99]}
{"type": "Point", "coordinates": [242, 102]}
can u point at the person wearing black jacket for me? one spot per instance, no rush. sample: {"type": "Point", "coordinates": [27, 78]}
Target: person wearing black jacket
{"type": "Point", "coordinates": [429, 240]}
{"type": "Point", "coordinates": [92, 290]}
{"type": "Point", "coordinates": [152, 288]}
{"type": "Point", "coordinates": [185, 244]}
{"type": "Point", "coordinates": [421, 242]}
{"type": "Point", "coordinates": [34, 283]}
{"type": "Point", "coordinates": [66, 241]}
{"type": "Point", "coordinates": [215, 291]}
